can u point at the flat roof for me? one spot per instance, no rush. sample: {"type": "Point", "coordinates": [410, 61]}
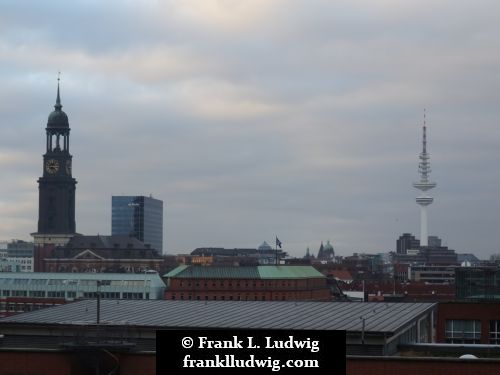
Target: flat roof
{"type": "Point", "coordinates": [31, 277]}
{"type": "Point", "coordinates": [378, 317]}
{"type": "Point", "coordinates": [79, 275]}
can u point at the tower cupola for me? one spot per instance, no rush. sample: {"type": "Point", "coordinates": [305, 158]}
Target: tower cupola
{"type": "Point", "coordinates": [57, 118]}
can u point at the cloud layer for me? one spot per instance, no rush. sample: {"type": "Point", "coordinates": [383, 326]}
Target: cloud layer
{"type": "Point", "coordinates": [261, 118]}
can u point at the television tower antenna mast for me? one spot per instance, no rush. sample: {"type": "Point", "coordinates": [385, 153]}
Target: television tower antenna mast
{"type": "Point", "coordinates": [423, 200]}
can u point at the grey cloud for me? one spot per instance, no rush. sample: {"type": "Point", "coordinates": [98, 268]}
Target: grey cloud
{"type": "Point", "coordinates": [277, 118]}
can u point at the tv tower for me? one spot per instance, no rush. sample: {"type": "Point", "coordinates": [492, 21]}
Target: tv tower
{"type": "Point", "coordinates": [424, 168]}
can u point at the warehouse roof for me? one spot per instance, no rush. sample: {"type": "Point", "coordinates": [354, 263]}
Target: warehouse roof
{"type": "Point", "coordinates": [253, 272]}
{"type": "Point", "coordinates": [14, 277]}
{"type": "Point", "coordinates": [349, 316]}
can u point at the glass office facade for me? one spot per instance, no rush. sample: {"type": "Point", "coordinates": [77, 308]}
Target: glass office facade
{"type": "Point", "coordinates": [477, 283]}
{"type": "Point", "coordinates": [140, 217]}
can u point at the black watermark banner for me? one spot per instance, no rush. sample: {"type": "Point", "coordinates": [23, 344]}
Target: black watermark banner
{"type": "Point", "coordinates": [250, 352]}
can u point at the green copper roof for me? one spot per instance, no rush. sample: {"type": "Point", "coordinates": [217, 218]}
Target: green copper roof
{"type": "Point", "coordinates": [176, 271]}
{"type": "Point", "coordinates": [288, 272]}
{"type": "Point", "coordinates": [259, 272]}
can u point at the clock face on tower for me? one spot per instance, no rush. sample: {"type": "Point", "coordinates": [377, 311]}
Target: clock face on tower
{"type": "Point", "coordinates": [52, 166]}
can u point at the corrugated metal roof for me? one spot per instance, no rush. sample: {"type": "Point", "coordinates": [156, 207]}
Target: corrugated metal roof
{"type": "Point", "coordinates": [253, 272]}
{"type": "Point", "coordinates": [8, 276]}
{"type": "Point", "coordinates": [379, 317]}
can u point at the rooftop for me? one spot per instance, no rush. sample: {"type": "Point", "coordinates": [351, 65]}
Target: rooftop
{"type": "Point", "coordinates": [378, 317]}
{"type": "Point", "coordinates": [253, 272]}
{"type": "Point", "coordinates": [105, 242]}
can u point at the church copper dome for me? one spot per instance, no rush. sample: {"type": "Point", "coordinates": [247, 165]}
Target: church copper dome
{"type": "Point", "coordinates": [58, 119]}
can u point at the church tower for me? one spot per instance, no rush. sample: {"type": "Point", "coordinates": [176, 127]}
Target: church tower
{"type": "Point", "coordinates": [56, 205]}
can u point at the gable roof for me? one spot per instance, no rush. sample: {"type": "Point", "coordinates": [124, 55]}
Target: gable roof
{"type": "Point", "coordinates": [87, 254]}
{"type": "Point", "coordinates": [343, 275]}
{"type": "Point", "coordinates": [105, 242]}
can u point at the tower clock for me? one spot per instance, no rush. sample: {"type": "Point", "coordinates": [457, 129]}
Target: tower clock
{"type": "Point", "coordinates": [56, 210]}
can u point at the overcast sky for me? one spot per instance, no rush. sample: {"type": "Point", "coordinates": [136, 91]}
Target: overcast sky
{"type": "Point", "coordinates": [257, 118]}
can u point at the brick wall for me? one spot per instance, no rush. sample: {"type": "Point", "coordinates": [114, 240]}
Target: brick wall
{"type": "Point", "coordinates": [419, 366]}
{"type": "Point", "coordinates": [483, 311]}
{"type": "Point", "coordinates": [248, 289]}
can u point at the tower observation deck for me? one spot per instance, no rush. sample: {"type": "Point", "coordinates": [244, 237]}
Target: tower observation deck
{"type": "Point", "coordinates": [423, 200]}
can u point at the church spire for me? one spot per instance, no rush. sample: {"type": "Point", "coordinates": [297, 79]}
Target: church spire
{"type": "Point", "coordinates": [58, 105]}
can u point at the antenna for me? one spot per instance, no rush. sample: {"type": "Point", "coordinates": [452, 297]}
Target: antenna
{"type": "Point", "coordinates": [423, 200]}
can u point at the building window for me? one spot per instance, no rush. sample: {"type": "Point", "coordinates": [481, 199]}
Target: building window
{"type": "Point", "coordinates": [37, 293]}
{"type": "Point", "coordinates": [55, 294]}
{"type": "Point", "coordinates": [130, 295]}
{"type": "Point", "coordinates": [495, 332]}
{"type": "Point", "coordinates": [463, 332]}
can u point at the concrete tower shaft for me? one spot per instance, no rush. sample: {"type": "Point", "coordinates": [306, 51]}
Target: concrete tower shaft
{"type": "Point", "coordinates": [423, 200]}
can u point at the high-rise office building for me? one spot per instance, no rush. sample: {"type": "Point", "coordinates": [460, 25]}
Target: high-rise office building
{"type": "Point", "coordinates": [140, 217]}
{"type": "Point", "coordinates": [406, 242]}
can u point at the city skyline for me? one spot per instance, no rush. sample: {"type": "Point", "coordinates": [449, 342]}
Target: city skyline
{"type": "Point", "coordinates": [252, 120]}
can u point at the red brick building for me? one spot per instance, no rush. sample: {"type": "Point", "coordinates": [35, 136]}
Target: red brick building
{"type": "Point", "coordinates": [262, 283]}
{"type": "Point", "coordinates": [116, 254]}
{"type": "Point", "coordinates": [468, 323]}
